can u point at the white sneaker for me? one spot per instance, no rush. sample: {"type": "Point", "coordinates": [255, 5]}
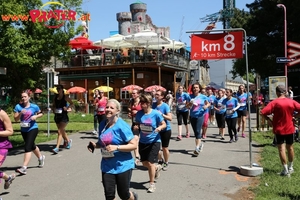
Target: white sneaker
{"type": "Point", "coordinates": [94, 132]}
{"type": "Point", "coordinates": [285, 173]}
{"type": "Point", "coordinates": [151, 188]}
{"type": "Point", "coordinates": [42, 161]}
{"type": "Point", "coordinates": [157, 171]}
{"type": "Point", "coordinates": [291, 170]}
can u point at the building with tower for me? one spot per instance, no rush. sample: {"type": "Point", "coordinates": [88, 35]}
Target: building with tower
{"type": "Point", "coordinates": [137, 20]}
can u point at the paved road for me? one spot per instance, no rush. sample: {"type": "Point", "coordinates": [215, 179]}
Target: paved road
{"type": "Point", "coordinates": [75, 174]}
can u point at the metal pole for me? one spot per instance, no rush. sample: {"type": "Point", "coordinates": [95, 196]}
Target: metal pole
{"type": "Point", "coordinates": [247, 77]}
{"type": "Point", "coordinates": [107, 83]}
{"type": "Point", "coordinates": [48, 106]}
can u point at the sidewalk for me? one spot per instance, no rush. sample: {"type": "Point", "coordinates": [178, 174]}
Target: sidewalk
{"type": "Point", "coordinates": [75, 174]}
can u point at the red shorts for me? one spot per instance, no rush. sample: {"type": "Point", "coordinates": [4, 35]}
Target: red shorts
{"type": "Point", "coordinates": [205, 120]}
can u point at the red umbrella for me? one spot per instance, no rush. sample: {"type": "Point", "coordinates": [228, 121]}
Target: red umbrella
{"type": "Point", "coordinates": [37, 90]}
{"type": "Point", "coordinates": [76, 90]}
{"type": "Point", "coordinates": [80, 42]}
{"type": "Point", "coordinates": [154, 87]}
{"type": "Point", "coordinates": [131, 87]}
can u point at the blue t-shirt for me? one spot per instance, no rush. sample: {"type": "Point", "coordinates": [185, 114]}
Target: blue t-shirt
{"type": "Point", "coordinates": [182, 99]}
{"type": "Point", "coordinates": [25, 120]}
{"type": "Point", "coordinates": [219, 104]}
{"type": "Point", "coordinates": [148, 123]}
{"type": "Point", "coordinates": [230, 105]}
{"type": "Point", "coordinates": [211, 100]}
{"type": "Point", "coordinates": [242, 98]}
{"type": "Point", "coordinates": [119, 134]}
{"type": "Point", "coordinates": [197, 108]}
{"type": "Point", "coordinates": [164, 109]}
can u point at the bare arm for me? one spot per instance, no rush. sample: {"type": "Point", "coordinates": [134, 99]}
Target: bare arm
{"type": "Point", "coordinates": [7, 124]}
{"type": "Point", "coordinates": [167, 116]}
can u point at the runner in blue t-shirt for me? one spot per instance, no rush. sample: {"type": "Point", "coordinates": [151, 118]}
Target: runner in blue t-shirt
{"type": "Point", "coordinates": [27, 113]}
{"type": "Point", "coordinates": [182, 98]}
{"type": "Point", "coordinates": [198, 106]}
{"type": "Point", "coordinates": [116, 142]}
{"type": "Point", "coordinates": [150, 122]}
{"type": "Point", "coordinates": [232, 106]}
{"type": "Point", "coordinates": [220, 113]}
{"type": "Point", "coordinates": [212, 99]}
{"type": "Point", "coordinates": [165, 135]}
{"type": "Point", "coordinates": [242, 97]}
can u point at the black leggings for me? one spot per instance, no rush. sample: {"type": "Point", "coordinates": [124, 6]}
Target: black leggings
{"type": "Point", "coordinates": [182, 116]}
{"type": "Point", "coordinates": [231, 124]}
{"type": "Point", "coordinates": [122, 181]}
{"type": "Point", "coordinates": [29, 138]}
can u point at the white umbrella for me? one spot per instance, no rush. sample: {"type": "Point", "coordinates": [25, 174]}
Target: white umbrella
{"type": "Point", "coordinates": [172, 45]}
{"type": "Point", "coordinates": [113, 42]}
{"type": "Point", "coordinates": [146, 38]}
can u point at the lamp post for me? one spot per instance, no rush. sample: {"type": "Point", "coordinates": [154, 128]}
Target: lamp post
{"type": "Point", "coordinates": [285, 41]}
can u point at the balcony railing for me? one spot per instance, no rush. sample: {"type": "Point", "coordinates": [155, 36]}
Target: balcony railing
{"type": "Point", "coordinates": [113, 58]}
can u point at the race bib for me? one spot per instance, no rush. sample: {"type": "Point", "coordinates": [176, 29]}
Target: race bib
{"type": "Point", "coordinates": [145, 128]}
{"type": "Point", "coordinates": [242, 104]}
{"type": "Point", "coordinates": [25, 124]}
{"type": "Point", "coordinates": [101, 109]}
{"type": "Point", "coordinates": [181, 106]}
{"type": "Point", "coordinates": [58, 111]}
{"type": "Point", "coordinates": [229, 112]}
{"type": "Point", "coordinates": [107, 154]}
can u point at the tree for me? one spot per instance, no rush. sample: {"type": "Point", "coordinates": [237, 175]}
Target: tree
{"type": "Point", "coordinates": [27, 47]}
{"type": "Point", "coordinates": [265, 34]}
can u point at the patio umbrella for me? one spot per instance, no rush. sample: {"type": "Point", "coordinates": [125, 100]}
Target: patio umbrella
{"type": "Point", "coordinates": [146, 38]}
{"type": "Point", "coordinates": [131, 87]}
{"type": "Point", "coordinates": [154, 87]}
{"type": "Point", "coordinates": [172, 45]}
{"type": "Point", "coordinates": [104, 88]}
{"type": "Point", "coordinates": [76, 89]}
{"type": "Point", "coordinates": [37, 91]}
{"type": "Point", "coordinates": [54, 90]}
{"type": "Point", "coordinates": [113, 42]}
{"type": "Point", "coordinates": [80, 42]}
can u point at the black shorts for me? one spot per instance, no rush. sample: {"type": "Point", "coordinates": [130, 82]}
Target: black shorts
{"type": "Point", "coordinates": [165, 137]}
{"type": "Point", "coordinates": [149, 152]}
{"type": "Point", "coordinates": [61, 118]}
{"type": "Point", "coordinates": [211, 111]}
{"type": "Point", "coordinates": [241, 113]}
{"type": "Point", "coordinates": [288, 139]}
{"type": "Point", "coordinates": [220, 120]}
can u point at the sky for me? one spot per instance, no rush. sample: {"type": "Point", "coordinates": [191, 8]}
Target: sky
{"type": "Point", "coordinates": [179, 15]}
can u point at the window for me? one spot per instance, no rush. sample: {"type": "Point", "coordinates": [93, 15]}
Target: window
{"type": "Point", "coordinates": [124, 94]}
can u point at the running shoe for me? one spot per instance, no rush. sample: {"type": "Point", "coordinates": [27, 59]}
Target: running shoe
{"type": "Point", "coordinates": [165, 166]}
{"type": "Point", "coordinates": [196, 152]}
{"type": "Point", "coordinates": [222, 138]}
{"type": "Point", "coordinates": [42, 161]}
{"type": "Point", "coordinates": [284, 173]}
{"type": "Point", "coordinates": [151, 188]}
{"type": "Point", "coordinates": [22, 170]}
{"type": "Point", "coordinates": [55, 150]}
{"type": "Point", "coordinates": [135, 195]}
{"type": "Point", "coordinates": [236, 138]}
{"type": "Point", "coordinates": [9, 181]}
{"type": "Point", "coordinates": [231, 141]}
{"type": "Point", "coordinates": [243, 135]}
{"type": "Point", "coordinates": [69, 144]}
{"type": "Point", "coordinates": [187, 135]}
{"type": "Point", "coordinates": [94, 132]}
{"type": "Point", "coordinates": [157, 171]}
{"type": "Point", "coordinates": [291, 170]}
{"type": "Point", "coordinates": [203, 136]}
{"type": "Point", "coordinates": [201, 147]}
{"type": "Point", "coordinates": [238, 129]}
{"type": "Point", "coordinates": [179, 137]}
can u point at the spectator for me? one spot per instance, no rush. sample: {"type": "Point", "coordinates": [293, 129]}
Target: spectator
{"type": "Point", "coordinates": [283, 109]}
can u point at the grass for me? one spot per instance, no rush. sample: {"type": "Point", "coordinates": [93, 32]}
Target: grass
{"type": "Point", "coordinates": [272, 186]}
{"type": "Point", "coordinates": [78, 122]}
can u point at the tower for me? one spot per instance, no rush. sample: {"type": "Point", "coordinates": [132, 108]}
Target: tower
{"type": "Point", "coordinates": [124, 19]}
{"type": "Point", "coordinates": [138, 11]}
